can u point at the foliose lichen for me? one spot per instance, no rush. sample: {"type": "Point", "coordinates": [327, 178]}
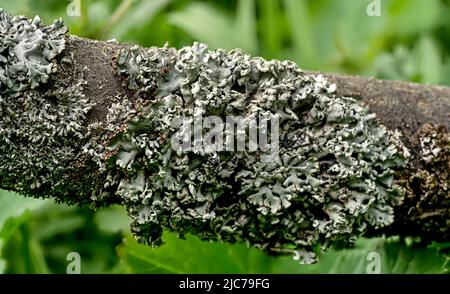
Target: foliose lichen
{"type": "Point", "coordinates": [332, 179]}
{"type": "Point", "coordinates": [41, 123]}
{"type": "Point", "coordinates": [27, 49]}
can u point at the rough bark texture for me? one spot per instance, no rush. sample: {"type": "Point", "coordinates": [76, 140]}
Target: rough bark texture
{"type": "Point", "coordinates": [88, 159]}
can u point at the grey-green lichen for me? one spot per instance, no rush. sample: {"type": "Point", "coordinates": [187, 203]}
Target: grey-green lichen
{"type": "Point", "coordinates": [27, 49]}
{"type": "Point", "coordinates": [41, 124]}
{"type": "Point", "coordinates": [332, 180]}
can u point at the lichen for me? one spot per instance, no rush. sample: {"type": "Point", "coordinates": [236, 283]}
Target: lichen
{"type": "Point", "coordinates": [41, 123]}
{"type": "Point", "coordinates": [332, 179]}
{"type": "Point", "coordinates": [27, 49]}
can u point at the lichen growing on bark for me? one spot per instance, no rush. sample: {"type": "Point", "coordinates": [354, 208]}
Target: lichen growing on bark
{"type": "Point", "coordinates": [333, 178]}
{"type": "Point", "coordinates": [41, 127]}
{"type": "Point", "coordinates": [27, 49]}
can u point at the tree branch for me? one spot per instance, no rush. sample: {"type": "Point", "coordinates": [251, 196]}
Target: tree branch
{"type": "Point", "coordinates": [89, 122]}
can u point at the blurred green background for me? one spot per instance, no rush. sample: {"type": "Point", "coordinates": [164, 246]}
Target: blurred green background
{"type": "Point", "coordinates": [409, 40]}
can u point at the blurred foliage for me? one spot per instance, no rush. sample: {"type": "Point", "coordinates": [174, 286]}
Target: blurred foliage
{"type": "Point", "coordinates": [410, 40]}
{"type": "Point", "coordinates": [37, 235]}
{"type": "Point", "coordinates": [196, 256]}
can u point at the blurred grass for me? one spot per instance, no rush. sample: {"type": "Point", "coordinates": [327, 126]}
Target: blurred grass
{"type": "Point", "coordinates": [409, 41]}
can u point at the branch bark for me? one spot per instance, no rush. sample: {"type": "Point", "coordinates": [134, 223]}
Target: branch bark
{"type": "Point", "coordinates": [87, 71]}
{"type": "Point", "coordinates": [408, 107]}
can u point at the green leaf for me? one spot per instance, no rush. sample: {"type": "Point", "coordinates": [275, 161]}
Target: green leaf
{"type": "Point", "coordinates": [195, 256]}
{"type": "Point", "coordinates": [271, 23]}
{"type": "Point", "coordinates": [429, 60]}
{"type": "Point", "coordinates": [246, 25]}
{"type": "Point", "coordinates": [191, 256]}
{"type": "Point", "coordinates": [113, 219]}
{"type": "Point", "coordinates": [13, 208]}
{"type": "Point", "coordinates": [407, 17]}
{"type": "Point", "coordinates": [138, 16]}
{"type": "Point", "coordinates": [206, 23]}
{"type": "Point", "coordinates": [16, 7]}
{"type": "Point", "coordinates": [301, 27]}
{"type": "Point", "coordinates": [446, 72]}
{"type": "Point", "coordinates": [398, 65]}
{"type": "Point", "coordinates": [14, 205]}
{"type": "Point", "coordinates": [2, 261]}
{"type": "Point", "coordinates": [395, 258]}
{"type": "Point", "coordinates": [424, 63]}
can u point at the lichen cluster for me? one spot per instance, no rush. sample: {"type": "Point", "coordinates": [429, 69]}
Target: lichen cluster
{"type": "Point", "coordinates": [333, 178]}
{"type": "Point", "coordinates": [41, 123]}
{"type": "Point", "coordinates": [27, 49]}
